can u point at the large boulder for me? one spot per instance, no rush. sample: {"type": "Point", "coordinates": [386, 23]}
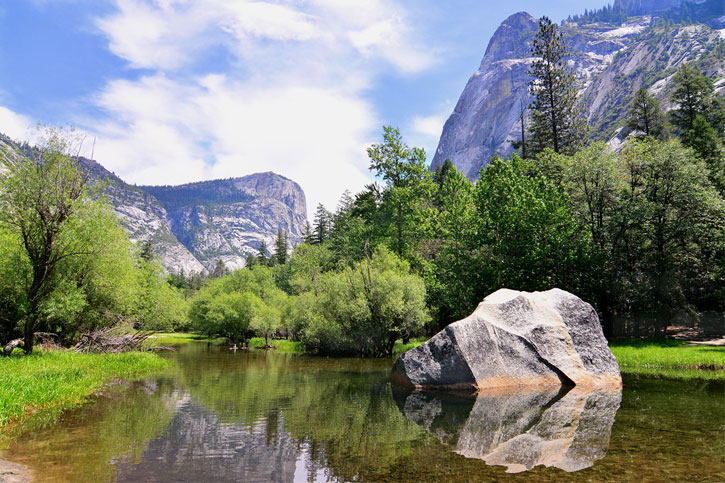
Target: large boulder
{"type": "Point", "coordinates": [515, 339]}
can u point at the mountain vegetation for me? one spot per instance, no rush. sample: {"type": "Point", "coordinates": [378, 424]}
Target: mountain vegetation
{"type": "Point", "coordinates": [66, 265]}
{"type": "Point", "coordinates": [612, 57]}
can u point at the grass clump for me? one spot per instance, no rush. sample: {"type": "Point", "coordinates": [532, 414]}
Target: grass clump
{"type": "Point", "coordinates": [281, 345]}
{"type": "Point", "coordinates": [178, 338]}
{"type": "Point", "coordinates": [399, 347]}
{"type": "Point", "coordinates": [61, 380]}
{"type": "Point", "coordinates": [667, 354]}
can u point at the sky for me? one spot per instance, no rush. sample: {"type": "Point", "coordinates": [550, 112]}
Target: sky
{"type": "Point", "coordinates": [174, 91]}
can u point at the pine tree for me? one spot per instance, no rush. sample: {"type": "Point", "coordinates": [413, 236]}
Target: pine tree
{"type": "Point", "coordinates": [694, 95]}
{"type": "Point", "coordinates": [321, 225]}
{"type": "Point", "coordinates": [556, 121]}
{"type": "Point", "coordinates": [220, 270]}
{"type": "Point", "coordinates": [263, 253]}
{"type": "Point", "coordinates": [703, 139]}
{"type": "Point", "coordinates": [307, 236]}
{"type": "Point", "coordinates": [280, 247]}
{"type": "Point", "coordinates": [250, 260]}
{"type": "Point", "coordinates": [646, 116]}
{"type": "Point", "coordinates": [147, 251]}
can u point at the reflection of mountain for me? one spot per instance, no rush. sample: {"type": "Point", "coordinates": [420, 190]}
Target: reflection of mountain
{"type": "Point", "coordinates": [568, 429]}
{"type": "Point", "coordinates": [197, 446]}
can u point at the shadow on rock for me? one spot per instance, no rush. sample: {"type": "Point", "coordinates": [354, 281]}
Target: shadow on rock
{"type": "Point", "coordinates": [567, 428]}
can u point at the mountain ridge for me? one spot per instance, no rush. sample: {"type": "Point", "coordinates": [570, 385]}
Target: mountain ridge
{"type": "Point", "coordinates": [611, 61]}
{"type": "Point", "coordinates": [192, 226]}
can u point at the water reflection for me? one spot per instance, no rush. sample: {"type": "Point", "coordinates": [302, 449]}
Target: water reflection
{"type": "Point", "coordinates": [567, 429]}
{"type": "Point", "coordinates": [198, 446]}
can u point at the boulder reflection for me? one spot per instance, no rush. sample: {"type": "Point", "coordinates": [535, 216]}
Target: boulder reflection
{"type": "Point", "coordinates": [567, 428]}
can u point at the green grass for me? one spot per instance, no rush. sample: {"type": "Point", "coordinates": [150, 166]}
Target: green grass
{"type": "Point", "coordinates": [280, 345]}
{"type": "Point", "coordinates": [177, 338]}
{"type": "Point", "coordinates": [55, 380]}
{"type": "Point", "coordinates": [399, 347]}
{"type": "Point", "coordinates": [660, 354]}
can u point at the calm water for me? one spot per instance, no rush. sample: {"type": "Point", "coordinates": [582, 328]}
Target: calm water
{"type": "Point", "coordinates": [255, 416]}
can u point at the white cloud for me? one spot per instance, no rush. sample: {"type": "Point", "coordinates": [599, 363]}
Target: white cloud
{"type": "Point", "coordinates": [15, 125]}
{"type": "Point", "coordinates": [425, 131]}
{"type": "Point", "coordinates": [291, 100]}
{"type": "Point", "coordinates": [168, 132]}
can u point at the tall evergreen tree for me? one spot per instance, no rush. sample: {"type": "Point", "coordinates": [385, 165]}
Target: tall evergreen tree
{"type": "Point", "coordinates": [321, 225]}
{"type": "Point", "coordinates": [703, 139]}
{"type": "Point", "coordinates": [250, 260]}
{"type": "Point", "coordinates": [694, 95]}
{"type": "Point", "coordinates": [146, 251]}
{"type": "Point", "coordinates": [307, 236]}
{"type": "Point", "coordinates": [556, 121]}
{"type": "Point", "coordinates": [280, 247]}
{"type": "Point", "coordinates": [263, 253]}
{"type": "Point", "coordinates": [220, 270]}
{"type": "Point", "coordinates": [646, 116]}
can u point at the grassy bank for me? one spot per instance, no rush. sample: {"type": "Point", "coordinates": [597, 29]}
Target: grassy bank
{"type": "Point", "coordinates": [60, 380]}
{"type": "Point", "coordinates": [667, 358]}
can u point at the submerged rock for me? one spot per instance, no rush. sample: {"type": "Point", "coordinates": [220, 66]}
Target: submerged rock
{"type": "Point", "coordinates": [515, 339]}
{"type": "Point", "coordinates": [563, 428]}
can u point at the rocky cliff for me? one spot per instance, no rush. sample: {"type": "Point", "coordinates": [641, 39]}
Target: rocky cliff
{"type": "Point", "coordinates": [228, 219]}
{"type": "Point", "coordinates": [192, 226]}
{"type": "Point", "coordinates": [611, 61]}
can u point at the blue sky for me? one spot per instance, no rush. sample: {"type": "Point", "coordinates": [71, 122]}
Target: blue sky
{"type": "Point", "coordinates": [182, 90]}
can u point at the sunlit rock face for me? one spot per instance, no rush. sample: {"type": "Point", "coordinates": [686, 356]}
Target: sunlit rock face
{"type": "Point", "coordinates": [566, 429]}
{"type": "Point", "coordinates": [611, 61]}
{"type": "Point", "coordinates": [515, 338]}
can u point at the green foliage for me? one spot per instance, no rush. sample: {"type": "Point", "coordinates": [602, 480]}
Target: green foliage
{"type": "Point", "coordinates": [321, 225]}
{"type": "Point", "coordinates": [68, 261]}
{"type": "Point", "coordinates": [225, 314]}
{"type": "Point", "coordinates": [694, 95]}
{"type": "Point", "coordinates": [646, 116]}
{"type": "Point", "coordinates": [527, 235]}
{"type": "Point", "coordinates": [451, 284]}
{"type": "Point", "coordinates": [406, 196]}
{"type": "Point", "coordinates": [609, 14]}
{"type": "Point", "coordinates": [159, 306]}
{"type": "Point", "coordinates": [703, 139]}
{"type": "Point", "coordinates": [367, 307]}
{"type": "Point", "coordinates": [281, 245]}
{"type": "Point", "coordinates": [267, 321]}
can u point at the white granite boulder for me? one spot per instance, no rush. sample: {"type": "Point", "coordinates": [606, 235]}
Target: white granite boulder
{"type": "Point", "coordinates": [515, 339]}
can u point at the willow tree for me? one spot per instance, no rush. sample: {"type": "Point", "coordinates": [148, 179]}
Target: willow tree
{"type": "Point", "coordinates": [37, 199]}
{"type": "Point", "coordinates": [556, 122]}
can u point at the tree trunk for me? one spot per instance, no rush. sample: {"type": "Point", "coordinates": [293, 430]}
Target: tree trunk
{"type": "Point", "coordinates": [29, 333]}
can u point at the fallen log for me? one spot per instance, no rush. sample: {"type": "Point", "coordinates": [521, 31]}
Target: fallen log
{"type": "Point", "coordinates": [8, 349]}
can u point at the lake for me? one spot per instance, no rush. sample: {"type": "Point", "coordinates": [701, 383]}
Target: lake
{"type": "Point", "coordinates": [250, 416]}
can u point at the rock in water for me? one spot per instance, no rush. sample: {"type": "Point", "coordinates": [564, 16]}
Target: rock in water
{"type": "Point", "coordinates": [515, 339]}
